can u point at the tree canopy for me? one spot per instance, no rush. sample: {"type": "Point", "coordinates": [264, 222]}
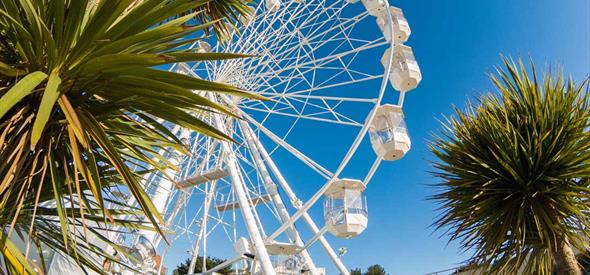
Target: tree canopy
{"type": "Point", "coordinates": [211, 262]}
{"type": "Point", "coordinates": [375, 269]}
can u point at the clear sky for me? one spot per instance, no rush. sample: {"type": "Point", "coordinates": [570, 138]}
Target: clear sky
{"type": "Point", "coordinates": [456, 42]}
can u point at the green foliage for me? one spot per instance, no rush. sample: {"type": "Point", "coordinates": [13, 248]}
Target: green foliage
{"type": "Point", "coordinates": [224, 14]}
{"type": "Point", "coordinates": [371, 270]}
{"type": "Point", "coordinates": [514, 171]}
{"type": "Point", "coordinates": [375, 270]}
{"type": "Point", "coordinates": [182, 268]}
{"type": "Point", "coordinates": [81, 102]}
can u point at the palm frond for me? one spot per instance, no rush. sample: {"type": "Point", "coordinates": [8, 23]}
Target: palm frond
{"type": "Point", "coordinates": [225, 15]}
{"type": "Point", "coordinates": [514, 171]}
{"type": "Point", "coordinates": [81, 102]}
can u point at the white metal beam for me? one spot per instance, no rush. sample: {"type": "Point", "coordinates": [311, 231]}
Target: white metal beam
{"type": "Point", "coordinates": [315, 238]}
{"type": "Point", "coordinates": [271, 189]}
{"type": "Point", "coordinates": [297, 204]}
{"type": "Point", "coordinates": [238, 186]}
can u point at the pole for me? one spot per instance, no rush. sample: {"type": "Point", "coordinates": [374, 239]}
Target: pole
{"type": "Point", "coordinates": [238, 186]}
{"type": "Point", "coordinates": [297, 204]}
{"type": "Point", "coordinates": [271, 189]}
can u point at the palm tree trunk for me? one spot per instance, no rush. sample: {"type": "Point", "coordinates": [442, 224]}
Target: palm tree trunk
{"type": "Point", "coordinates": [567, 263]}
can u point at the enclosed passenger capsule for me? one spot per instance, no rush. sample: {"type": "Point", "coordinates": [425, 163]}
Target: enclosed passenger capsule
{"type": "Point", "coordinates": [143, 250]}
{"type": "Point", "coordinates": [389, 134]}
{"type": "Point", "coordinates": [345, 208]}
{"type": "Point", "coordinates": [374, 7]}
{"type": "Point", "coordinates": [141, 256]}
{"type": "Point", "coordinates": [405, 74]}
{"type": "Point", "coordinates": [272, 5]}
{"type": "Point", "coordinates": [401, 28]}
{"type": "Point", "coordinates": [203, 47]}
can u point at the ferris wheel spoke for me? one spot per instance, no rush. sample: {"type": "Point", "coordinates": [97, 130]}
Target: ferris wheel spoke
{"type": "Point", "coordinates": [317, 22]}
{"type": "Point", "coordinates": [302, 12]}
{"type": "Point", "coordinates": [302, 93]}
{"type": "Point", "coordinates": [325, 84]}
{"type": "Point", "coordinates": [298, 154]}
{"type": "Point", "coordinates": [283, 44]}
{"type": "Point", "coordinates": [324, 40]}
{"type": "Point", "coordinates": [348, 122]}
{"type": "Point", "coordinates": [361, 77]}
{"type": "Point", "coordinates": [319, 105]}
{"type": "Point", "coordinates": [315, 62]}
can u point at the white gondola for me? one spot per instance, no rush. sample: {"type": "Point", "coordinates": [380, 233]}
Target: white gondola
{"type": "Point", "coordinates": [375, 7]}
{"type": "Point", "coordinates": [203, 47]}
{"type": "Point", "coordinates": [345, 208]}
{"type": "Point", "coordinates": [143, 250]}
{"type": "Point", "coordinates": [389, 134]}
{"type": "Point", "coordinates": [401, 28]}
{"type": "Point", "coordinates": [272, 5]}
{"type": "Point", "coordinates": [141, 256]}
{"type": "Point", "coordinates": [405, 74]}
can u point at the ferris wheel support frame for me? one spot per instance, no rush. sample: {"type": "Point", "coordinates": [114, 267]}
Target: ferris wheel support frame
{"type": "Point", "coordinates": [295, 201]}
{"type": "Point", "coordinates": [271, 188]}
{"type": "Point", "coordinates": [262, 255]}
{"type": "Point", "coordinates": [204, 220]}
{"type": "Point", "coordinates": [202, 229]}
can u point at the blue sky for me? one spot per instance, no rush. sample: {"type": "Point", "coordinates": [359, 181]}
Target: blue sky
{"type": "Point", "coordinates": [456, 43]}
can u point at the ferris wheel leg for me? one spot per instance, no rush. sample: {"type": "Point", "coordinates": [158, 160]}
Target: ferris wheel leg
{"type": "Point", "coordinates": [202, 230]}
{"type": "Point", "coordinates": [262, 256]}
{"type": "Point", "coordinates": [210, 190]}
{"type": "Point", "coordinates": [297, 204]}
{"type": "Point", "coordinates": [271, 189]}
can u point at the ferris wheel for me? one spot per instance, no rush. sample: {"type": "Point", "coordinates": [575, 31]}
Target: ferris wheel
{"type": "Point", "coordinates": [327, 69]}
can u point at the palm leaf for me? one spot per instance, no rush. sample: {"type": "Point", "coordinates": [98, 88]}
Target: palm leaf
{"type": "Point", "coordinates": [69, 140]}
{"type": "Point", "coordinates": [514, 172]}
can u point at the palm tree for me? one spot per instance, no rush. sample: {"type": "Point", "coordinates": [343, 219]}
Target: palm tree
{"type": "Point", "coordinates": [514, 174]}
{"type": "Point", "coordinates": [224, 15]}
{"type": "Point", "coordinates": [81, 103]}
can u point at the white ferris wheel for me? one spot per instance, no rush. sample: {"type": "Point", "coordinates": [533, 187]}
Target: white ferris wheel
{"type": "Point", "coordinates": [328, 97]}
